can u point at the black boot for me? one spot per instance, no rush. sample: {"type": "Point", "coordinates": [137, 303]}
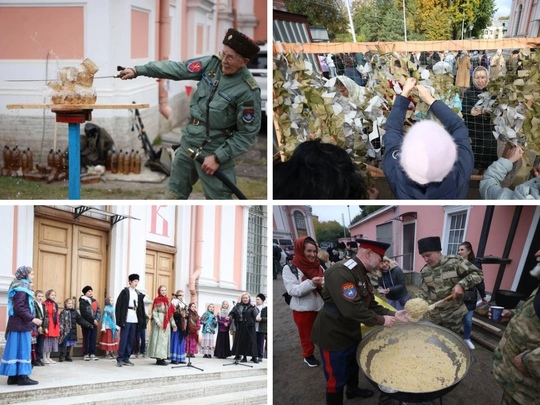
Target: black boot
{"type": "Point", "coordinates": [334, 398]}
{"type": "Point", "coordinates": [244, 360]}
{"type": "Point", "coordinates": [25, 380]}
{"type": "Point", "coordinates": [358, 393]}
{"type": "Point", "coordinates": [12, 380]}
{"type": "Point", "coordinates": [254, 360]}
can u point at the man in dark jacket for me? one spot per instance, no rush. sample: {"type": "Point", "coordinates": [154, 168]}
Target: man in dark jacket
{"type": "Point", "coordinates": [348, 302]}
{"type": "Point", "coordinates": [129, 312]}
{"type": "Point", "coordinates": [429, 162]}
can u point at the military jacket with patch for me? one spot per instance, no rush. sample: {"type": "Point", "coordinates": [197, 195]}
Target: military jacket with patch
{"type": "Point", "coordinates": [235, 106]}
{"type": "Point", "coordinates": [348, 301]}
{"type": "Point", "coordinates": [438, 282]}
{"type": "Point", "coordinates": [522, 334]}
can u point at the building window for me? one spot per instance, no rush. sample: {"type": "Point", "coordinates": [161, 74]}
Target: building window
{"type": "Point", "coordinates": [300, 224]}
{"type": "Point", "coordinates": [455, 229]}
{"type": "Point", "coordinates": [257, 248]}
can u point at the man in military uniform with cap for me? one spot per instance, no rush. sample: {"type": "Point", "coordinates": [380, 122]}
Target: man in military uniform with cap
{"type": "Point", "coordinates": [348, 301]}
{"type": "Point", "coordinates": [225, 114]}
{"type": "Point", "coordinates": [516, 359]}
{"type": "Point", "coordinates": [444, 275]}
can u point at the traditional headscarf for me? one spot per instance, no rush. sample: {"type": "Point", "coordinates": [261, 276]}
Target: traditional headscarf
{"type": "Point", "coordinates": [169, 309]}
{"type": "Point", "coordinates": [108, 319]}
{"type": "Point", "coordinates": [309, 268]}
{"type": "Point", "coordinates": [21, 283]}
{"type": "Point", "coordinates": [474, 81]}
{"type": "Point", "coordinates": [356, 92]}
{"type": "Point", "coordinates": [193, 320]}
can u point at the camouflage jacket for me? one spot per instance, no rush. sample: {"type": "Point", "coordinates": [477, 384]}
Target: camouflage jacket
{"type": "Point", "coordinates": [522, 334]}
{"type": "Point", "coordinates": [438, 282]}
{"type": "Point", "coordinates": [235, 107]}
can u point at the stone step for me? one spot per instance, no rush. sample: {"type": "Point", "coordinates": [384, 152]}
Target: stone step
{"type": "Point", "coordinates": [150, 390]}
{"type": "Point", "coordinates": [251, 397]}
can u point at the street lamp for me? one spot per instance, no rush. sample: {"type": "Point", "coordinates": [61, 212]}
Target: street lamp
{"type": "Point", "coordinates": [404, 21]}
{"type": "Point", "coordinates": [351, 21]}
{"type": "Point", "coordinates": [470, 30]}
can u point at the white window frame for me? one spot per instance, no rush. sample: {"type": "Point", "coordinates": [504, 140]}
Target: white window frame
{"type": "Point", "coordinates": [448, 212]}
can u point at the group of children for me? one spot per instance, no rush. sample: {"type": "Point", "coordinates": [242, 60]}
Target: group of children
{"type": "Point", "coordinates": [175, 329]}
{"type": "Point", "coordinates": [58, 331]}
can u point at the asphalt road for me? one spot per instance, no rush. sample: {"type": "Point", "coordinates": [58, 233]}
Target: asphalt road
{"type": "Point", "coordinates": [296, 383]}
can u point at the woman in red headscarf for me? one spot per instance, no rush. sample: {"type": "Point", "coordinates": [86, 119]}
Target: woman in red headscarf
{"type": "Point", "coordinates": [162, 322]}
{"type": "Point", "coordinates": [303, 279]}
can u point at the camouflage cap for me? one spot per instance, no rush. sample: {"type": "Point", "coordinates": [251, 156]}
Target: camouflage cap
{"type": "Point", "coordinates": [241, 43]}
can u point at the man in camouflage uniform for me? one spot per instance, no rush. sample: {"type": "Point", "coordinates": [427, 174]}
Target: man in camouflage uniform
{"type": "Point", "coordinates": [225, 114]}
{"type": "Point", "coordinates": [444, 275]}
{"type": "Point", "coordinates": [348, 301]}
{"type": "Point", "coordinates": [516, 360]}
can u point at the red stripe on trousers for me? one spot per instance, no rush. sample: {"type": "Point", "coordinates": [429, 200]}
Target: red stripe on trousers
{"type": "Point", "coordinates": [331, 381]}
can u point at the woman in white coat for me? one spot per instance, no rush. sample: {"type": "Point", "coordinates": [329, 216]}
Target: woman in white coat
{"type": "Point", "coordinates": [303, 280]}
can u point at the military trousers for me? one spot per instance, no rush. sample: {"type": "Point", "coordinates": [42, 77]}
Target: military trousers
{"type": "Point", "coordinates": [186, 172]}
{"type": "Point", "coordinates": [340, 369]}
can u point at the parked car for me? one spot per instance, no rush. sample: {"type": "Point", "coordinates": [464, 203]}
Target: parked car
{"type": "Point", "coordinates": [258, 67]}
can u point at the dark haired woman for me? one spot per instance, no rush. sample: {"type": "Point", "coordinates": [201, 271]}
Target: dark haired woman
{"type": "Point", "coordinates": [318, 170]}
{"type": "Point", "coordinates": [466, 252]}
{"type": "Point", "coordinates": [304, 281]}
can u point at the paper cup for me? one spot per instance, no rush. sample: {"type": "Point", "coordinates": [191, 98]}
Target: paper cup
{"type": "Point", "coordinates": [496, 313]}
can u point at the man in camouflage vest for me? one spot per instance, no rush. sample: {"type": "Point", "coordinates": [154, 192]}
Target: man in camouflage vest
{"type": "Point", "coordinates": [516, 360]}
{"type": "Point", "coordinates": [225, 115]}
{"type": "Point", "coordinates": [444, 275]}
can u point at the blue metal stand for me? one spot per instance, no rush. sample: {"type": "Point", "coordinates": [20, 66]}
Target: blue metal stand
{"type": "Point", "coordinates": [74, 119]}
{"type": "Point", "coordinates": [74, 155]}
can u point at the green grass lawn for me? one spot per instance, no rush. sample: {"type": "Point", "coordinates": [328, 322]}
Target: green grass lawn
{"type": "Point", "coordinates": [13, 188]}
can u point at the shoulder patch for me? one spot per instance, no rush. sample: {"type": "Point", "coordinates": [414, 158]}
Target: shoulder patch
{"type": "Point", "coordinates": [351, 264]}
{"type": "Point", "coordinates": [349, 291]}
{"type": "Point", "coordinates": [248, 115]}
{"type": "Point", "coordinates": [251, 83]}
{"type": "Point", "coordinates": [194, 66]}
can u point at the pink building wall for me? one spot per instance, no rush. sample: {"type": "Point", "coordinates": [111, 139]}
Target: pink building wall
{"type": "Point", "coordinates": [30, 32]}
{"type": "Point", "coordinates": [431, 222]}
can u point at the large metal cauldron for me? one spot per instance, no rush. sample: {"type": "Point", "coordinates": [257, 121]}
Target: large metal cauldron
{"type": "Point", "coordinates": [407, 334]}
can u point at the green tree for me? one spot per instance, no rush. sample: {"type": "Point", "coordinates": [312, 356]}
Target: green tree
{"type": "Point", "coordinates": [378, 20]}
{"type": "Point", "coordinates": [329, 231]}
{"type": "Point", "coordinates": [321, 13]}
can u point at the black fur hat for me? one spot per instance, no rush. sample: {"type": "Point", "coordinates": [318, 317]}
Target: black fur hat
{"type": "Point", "coordinates": [241, 43]}
{"type": "Point", "coordinates": [429, 244]}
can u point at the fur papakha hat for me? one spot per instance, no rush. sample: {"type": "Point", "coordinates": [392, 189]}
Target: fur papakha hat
{"type": "Point", "coordinates": [429, 244]}
{"type": "Point", "coordinates": [240, 43]}
{"type": "Point", "coordinates": [428, 152]}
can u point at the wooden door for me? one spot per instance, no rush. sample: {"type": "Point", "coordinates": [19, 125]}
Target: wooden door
{"type": "Point", "coordinates": [69, 257]}
{"type": "Point", "coordinates": [159, 271]}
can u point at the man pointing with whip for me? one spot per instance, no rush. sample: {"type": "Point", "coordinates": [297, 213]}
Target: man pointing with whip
{"type": "Point", "coordinates": [225, 116]}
